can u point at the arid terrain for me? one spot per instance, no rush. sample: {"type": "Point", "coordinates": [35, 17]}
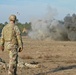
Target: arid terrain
{"type": "Point", "coordinates": [55, 57]}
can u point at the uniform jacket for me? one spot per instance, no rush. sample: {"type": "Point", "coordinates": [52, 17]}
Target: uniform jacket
{"type": "Point", "coordinates": [11, 37]}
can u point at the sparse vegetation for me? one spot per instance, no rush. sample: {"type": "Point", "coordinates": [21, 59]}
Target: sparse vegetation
{"type": "Point", "coordinates": [20, 25]}
{"type": "Point", "coordinates": [51, 55]}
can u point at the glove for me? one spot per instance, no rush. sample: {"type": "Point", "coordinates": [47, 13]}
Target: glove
{"type": "Point", "coordinates": [20, 49]}
{"type": "Point", "coordinates": [2, 48]}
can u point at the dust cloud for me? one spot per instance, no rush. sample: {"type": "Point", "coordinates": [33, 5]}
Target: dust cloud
{"type": "Point", "coordinates": [50, 28]}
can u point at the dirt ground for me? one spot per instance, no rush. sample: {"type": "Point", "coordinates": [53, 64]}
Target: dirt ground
{"type": "Point", "coordinates": [55, 57]}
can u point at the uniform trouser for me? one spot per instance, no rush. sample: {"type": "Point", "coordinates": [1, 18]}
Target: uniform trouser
{"type": "Point", "coordinates": [13, 55]}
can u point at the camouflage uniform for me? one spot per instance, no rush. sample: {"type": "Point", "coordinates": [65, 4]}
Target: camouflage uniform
{"type": "Point", "coordinates": [12, 42]}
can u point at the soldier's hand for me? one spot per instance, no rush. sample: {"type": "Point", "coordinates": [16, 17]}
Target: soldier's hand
{"type": "Point", "coordinates": [20, 49]}
{"type": "Point", "coordinates": [2, 48]}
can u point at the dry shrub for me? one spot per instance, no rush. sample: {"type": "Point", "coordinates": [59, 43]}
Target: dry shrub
{"type": "Point", "coordinates": [40, 57]}
{"type": "Point", "coordinates": [46, 56]}
{"type": "Point", "coordinates": [26, 57]}
{"type": "Point", "coordinates": [57, 56]}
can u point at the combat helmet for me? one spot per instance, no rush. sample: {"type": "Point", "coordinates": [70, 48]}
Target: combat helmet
{"type": "Point", "coordinates": [12, 18]}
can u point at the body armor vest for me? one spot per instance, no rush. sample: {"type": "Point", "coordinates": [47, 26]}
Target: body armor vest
{"type": "Point", "coordinates": [9, 34]}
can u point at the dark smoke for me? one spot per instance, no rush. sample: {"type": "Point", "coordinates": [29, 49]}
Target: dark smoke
{"type": "Point", "coordinates": [70, 25]}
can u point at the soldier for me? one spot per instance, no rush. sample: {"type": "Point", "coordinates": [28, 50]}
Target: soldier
{"type": "Point", "coordinates": [11, 41]}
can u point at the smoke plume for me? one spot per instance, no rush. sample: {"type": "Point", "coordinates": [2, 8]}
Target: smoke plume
{"type": "Point", "coordinates": [49, 27]}
{"type": "Point", "coordinates": [70, 25]}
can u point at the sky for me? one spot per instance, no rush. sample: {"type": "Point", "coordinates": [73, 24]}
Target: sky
{"type": "Point", "coordinates": [27, 9]}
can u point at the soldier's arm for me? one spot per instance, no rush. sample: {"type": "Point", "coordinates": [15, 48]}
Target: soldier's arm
{"type": "Point", "coordinates": [2, 41]}
{"type": "Point", "coordinates": [19, 38]}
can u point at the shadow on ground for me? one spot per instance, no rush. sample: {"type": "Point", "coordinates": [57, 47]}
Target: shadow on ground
{"type": "Point", "coordinates": [58, 69]}
{"type": "Point", "coordinates": [63, 68]}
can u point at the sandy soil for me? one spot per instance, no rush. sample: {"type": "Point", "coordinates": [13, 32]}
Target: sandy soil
{"type": "Point", "coordinates": [55, 57]}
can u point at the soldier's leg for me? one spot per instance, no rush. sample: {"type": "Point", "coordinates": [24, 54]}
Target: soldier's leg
{"type": "Point", "coordinates": [12, 62]}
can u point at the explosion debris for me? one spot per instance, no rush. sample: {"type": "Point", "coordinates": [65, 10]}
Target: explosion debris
{"type": "Point", "coordinates": [48, 27]}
